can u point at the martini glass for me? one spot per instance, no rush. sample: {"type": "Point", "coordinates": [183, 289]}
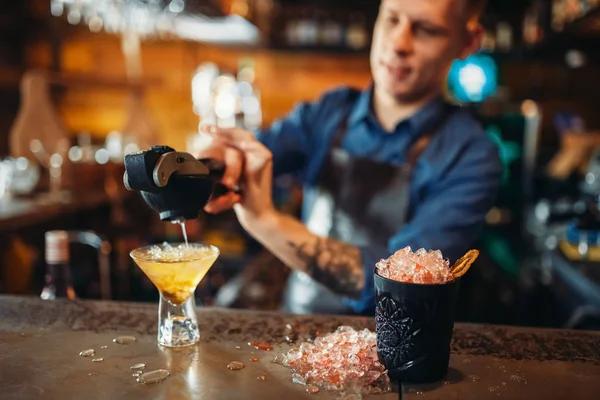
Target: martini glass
{"type": "Point", "coordinates": [176, 270]}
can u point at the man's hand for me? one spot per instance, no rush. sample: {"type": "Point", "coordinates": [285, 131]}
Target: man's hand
{"type": "Point", "coordinates": [256, 173]}
{"type": "Point", "coordinates": [233, 160]}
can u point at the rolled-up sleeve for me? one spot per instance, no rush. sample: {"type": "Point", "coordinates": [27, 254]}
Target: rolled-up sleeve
{"type": "Point", "coordinates": [449, 219]}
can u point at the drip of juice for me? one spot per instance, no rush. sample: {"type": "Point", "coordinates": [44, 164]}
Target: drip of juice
{"type": "Point", "coordinates": [182, 223]}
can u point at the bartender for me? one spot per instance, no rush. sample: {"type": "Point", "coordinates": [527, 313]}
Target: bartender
{"type": "Point", "coordinates": [390, 166]}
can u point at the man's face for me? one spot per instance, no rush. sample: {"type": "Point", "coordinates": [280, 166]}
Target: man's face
{"type": "Point", "coordinates": [414, 44]}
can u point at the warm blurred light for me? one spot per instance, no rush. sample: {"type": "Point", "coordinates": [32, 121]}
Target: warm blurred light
{"type": "Point", "coordinates": [22, 163]}
{"type": "Point", "coordinates": [230, 29]}
{"type": "Point", "coordinates": [75, 154]}
{"type": "Point", "coordinates": [575, 59]}
{"type": "Point", "coordinates": [95, 24]}
{"type": "Point", "coordinates": [56, 9]}
{"type": "Point", "coordinates": [145, 18]}
{"type": "Point", "coordinates": [239, 7]}
{"type": "Point", "coordinates": [56, 160]}
{"type": "Point", "coordinates": [74, 17]}
{"type": "Point", "coordinates": [244, 89]}
{"type": "Point", "coordinates": [504, 36]}
{"type": "Point", "coordinates": [529, 108]}
{"type": "Point", "coordinates": [177, 6]}
{"type": "Point", "coordinates": [131, 148]}
{"type": "Point", "coordinates": [114, 145]}
{"type": "Point", "coordinates": [202, 88]}
{"type": "Point", "coordinates": [253, 121]}
{"type": "Point", "coordinates": [225, 105]}
{"type": "Point", "coordinates": [158, 18]}
{"type": "Point", "coordinates": [250, 105]}
{"type": "Point", "coordinates": [102, 156]}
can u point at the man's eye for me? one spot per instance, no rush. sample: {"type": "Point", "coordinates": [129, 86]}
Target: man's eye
{"type": "Point", "coordinates": [425, 31]}
{"type": "Point", "coordinates": [392, 20]}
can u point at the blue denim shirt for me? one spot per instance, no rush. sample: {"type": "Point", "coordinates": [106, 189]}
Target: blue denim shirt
{"type": "Point", "coordinates": [454, 183]}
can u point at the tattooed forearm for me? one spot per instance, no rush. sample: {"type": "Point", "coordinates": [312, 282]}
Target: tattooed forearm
{"type": "Point", "coordinates": [334, 264]}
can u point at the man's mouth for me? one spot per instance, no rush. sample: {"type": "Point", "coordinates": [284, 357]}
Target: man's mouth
{"type": "Point", "coordinates": [397, 71]}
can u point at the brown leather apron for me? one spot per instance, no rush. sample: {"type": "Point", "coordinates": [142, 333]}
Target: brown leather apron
{"type": "Point", "coordinates": [360, 202]}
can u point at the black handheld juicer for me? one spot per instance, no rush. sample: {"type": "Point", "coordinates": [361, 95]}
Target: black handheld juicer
{"type": "Point", "coordinates": [174, 184]}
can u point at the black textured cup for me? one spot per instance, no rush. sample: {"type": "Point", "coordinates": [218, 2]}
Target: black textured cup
{"type": "Point", "coordinates": [414, 325]}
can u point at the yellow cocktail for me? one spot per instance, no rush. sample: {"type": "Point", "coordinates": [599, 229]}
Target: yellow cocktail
{"type": "Point", "coordinates": [176, 270]}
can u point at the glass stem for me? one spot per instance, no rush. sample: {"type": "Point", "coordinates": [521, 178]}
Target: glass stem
{"type": "Point", "coordinates": [177, 323]}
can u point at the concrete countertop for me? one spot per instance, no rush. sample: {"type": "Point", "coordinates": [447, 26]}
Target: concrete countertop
{"type": "Point", "coordinates": [40, 343]}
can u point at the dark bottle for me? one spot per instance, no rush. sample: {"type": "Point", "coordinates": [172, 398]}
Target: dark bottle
{"type": "Point", "coordinates": [58, 270]}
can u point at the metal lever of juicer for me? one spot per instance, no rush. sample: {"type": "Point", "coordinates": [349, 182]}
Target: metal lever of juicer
{"type": "Point", "coordinates": [174, 184]}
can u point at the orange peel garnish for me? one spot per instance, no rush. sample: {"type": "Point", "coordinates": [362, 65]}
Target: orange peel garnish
{"type": "Point", "coordinates": [462, 265]}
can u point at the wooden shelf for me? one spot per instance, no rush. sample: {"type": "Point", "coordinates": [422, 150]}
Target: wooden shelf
{"type": "Point", "coordinates": [582, 33]}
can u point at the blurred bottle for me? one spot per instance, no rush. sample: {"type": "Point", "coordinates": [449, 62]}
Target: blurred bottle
{"type": "Point", "coordinates": [332, 33]}
{"type": "Point", "coordinates": [58, 270]}
{"type": "Point", "coordinates": [559, 15]}
{"type": "Point", "coordinates": [356, 34]}
{"type": "Point", "coordinates": [203, 92]}
{"type": "Point", "coordinates": [308, 28]}
{"type": "Point", "coordinates": [504, 38]}
{"type": "Point", "coordinates": [84, 141]}
{"type": "Point", "coordinates": [572, 9]}
{"type": "Point", "coordinates": [290, 28]}
{"type": "Point", "coordinates": [114, 146]}
{"type": "Point", "coordinates": [488, 42]}
{"type": "Point", "coordinates": [533, 32]}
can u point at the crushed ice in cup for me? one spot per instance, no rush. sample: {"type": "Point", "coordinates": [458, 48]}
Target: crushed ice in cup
{"type": "Point", "coordinates": [343, 360]}
{"type": "Point", "coordinates": [422, 266]}
{"type": "Point", "coordinates": [155, 251]}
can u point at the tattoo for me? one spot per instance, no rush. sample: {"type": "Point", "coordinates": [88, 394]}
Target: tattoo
{"type": "Point", "coordinates": [334, 264]}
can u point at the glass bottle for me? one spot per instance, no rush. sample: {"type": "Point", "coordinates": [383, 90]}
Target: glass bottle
{"type": "Point", "coordinates": [58, 270]}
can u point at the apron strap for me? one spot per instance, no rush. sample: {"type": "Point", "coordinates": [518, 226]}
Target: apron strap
{"type": "Point", "coordinates": [341, 130]}
{"type": "Point", "coordinates": [415, 151]}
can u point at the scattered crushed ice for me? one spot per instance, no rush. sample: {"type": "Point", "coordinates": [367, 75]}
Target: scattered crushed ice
{"type": "Point", "coordinates": [343, 360]}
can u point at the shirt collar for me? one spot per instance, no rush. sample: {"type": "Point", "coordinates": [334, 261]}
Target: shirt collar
{"type": "Point", "coordinates": [418, 123]}
{"type": "Point", "coordinates": [362, 107]}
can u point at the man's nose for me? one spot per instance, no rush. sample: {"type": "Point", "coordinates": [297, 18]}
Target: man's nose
{"type": "Point", "coordinates": [403, 36]}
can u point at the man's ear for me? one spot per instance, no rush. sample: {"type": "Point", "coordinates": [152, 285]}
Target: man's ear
{"type": "Point", "coordinates": [472, 40]}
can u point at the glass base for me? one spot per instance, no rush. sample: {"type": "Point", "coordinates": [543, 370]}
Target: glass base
{"type": "Point", "coordinates": [177, 323]}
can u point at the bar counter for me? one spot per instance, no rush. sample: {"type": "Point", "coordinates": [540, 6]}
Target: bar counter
{"type": "Point", "coordinates": [40, 343]}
